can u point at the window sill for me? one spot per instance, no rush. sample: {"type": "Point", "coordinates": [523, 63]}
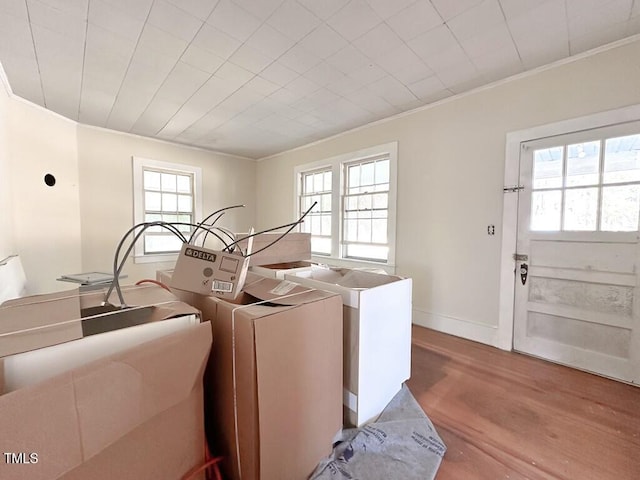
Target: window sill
{"type": "Point", "coordinates": [159, 258]}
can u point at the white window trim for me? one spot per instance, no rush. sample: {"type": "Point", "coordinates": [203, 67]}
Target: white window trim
{"type": "Point", "coordinates": [139, 163]}
{"type": "Point", "coordinates": [336, 163]}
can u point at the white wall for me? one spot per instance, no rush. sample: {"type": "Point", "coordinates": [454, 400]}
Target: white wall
{"type": "Point", "coordinates": [46, 219]}
{"type": "Point", "coordinates": [106, 192]}
{"type": "Point", "coordinates": [450, 174]}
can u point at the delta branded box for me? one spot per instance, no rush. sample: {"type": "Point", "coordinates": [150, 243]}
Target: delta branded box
{"type": "Point", "coordinates": [292, 247]}
{"type": "Point", "coordinates": [377, 335]}
{"type": "Point", "coordinates": [274, 386]}
{"type": "Point", "coordinates": [125, 403]}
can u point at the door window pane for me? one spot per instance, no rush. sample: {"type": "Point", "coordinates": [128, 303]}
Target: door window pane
{"type": "Point", "coordinates": [620, 206]}
{"type": "Point", "coordinates": [581, 209]}
{"type": "Point", "coordinates": [545, 210]}
{"type": "Point", "coordinates": [547, 168]}
{"type": "Point", "coordinates": [583, 164]}
{"type": "Point", "coordinates": [622, 159]}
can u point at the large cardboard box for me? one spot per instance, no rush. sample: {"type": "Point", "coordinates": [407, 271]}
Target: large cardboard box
{"type": "Point", "coordinates": [293, 247]}
{"type": "Point", "coordinates": [37, 321]}
{"type": "Point", "coordinates": [276, 380]}
{"type": "Point", "coordinates": [133, 415]}
{"type": "Point", "coordinates": [377, 335]}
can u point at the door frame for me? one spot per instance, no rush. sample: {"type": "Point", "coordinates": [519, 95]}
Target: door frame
{"type": "Point", "coordinates": [514, 140]}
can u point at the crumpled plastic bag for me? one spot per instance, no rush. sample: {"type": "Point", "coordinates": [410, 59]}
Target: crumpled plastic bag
{"type": "Point", "coordinates": [401, 444]}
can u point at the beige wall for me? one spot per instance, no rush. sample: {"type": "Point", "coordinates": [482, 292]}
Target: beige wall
{"type": "Point", "coordinates": [46, 219]}
{"type": "Point", "coordinates": [450, 179]}
{"type": "Point", "coordinates": [7, 244]}
{"type": "Point", "coordinates": [106, 193]}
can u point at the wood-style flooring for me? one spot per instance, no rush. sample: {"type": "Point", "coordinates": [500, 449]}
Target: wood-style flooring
{"type": "Point", "coordinates": [505, 415]}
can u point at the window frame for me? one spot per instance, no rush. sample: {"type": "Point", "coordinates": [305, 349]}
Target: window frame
{"type": "Point", "coordinates": [337, 164]}
{"type": "Point", "coordinates": [564, 140]}
{"type": "Point", "coordinates": [139, 164]}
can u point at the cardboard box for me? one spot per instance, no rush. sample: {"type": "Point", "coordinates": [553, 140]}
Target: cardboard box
{"type": "Point", "coordinates": [279, 270]}
{"type": "Point", "coordinates": [377, 335]}
{"type": "Point", "coordinates": [274, 387]}
{"type": "Point", "coordinates": [292, 247]}
{"type": "Point", "coordinates": [134, 415]}
{"type": "Point", "coordinates": [51, 319]}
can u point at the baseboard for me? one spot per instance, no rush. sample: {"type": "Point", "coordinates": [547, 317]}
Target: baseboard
{"type": "Point", "coordinates": [476, 332]}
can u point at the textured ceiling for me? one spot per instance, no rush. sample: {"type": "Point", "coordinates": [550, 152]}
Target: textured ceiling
{"type": "Point", "coordinates": [256, 77]}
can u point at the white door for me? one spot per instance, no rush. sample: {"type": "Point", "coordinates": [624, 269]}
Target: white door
{"type": "Point", "coordinates": [577, 298]}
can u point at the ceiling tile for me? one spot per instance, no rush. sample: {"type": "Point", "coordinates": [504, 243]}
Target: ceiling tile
{"type": "Point", "coordinates": [286, 96]}
{"type": "Point", "coordinates": [16, 39]}
{"type": "Point", "coordinates": [372, 102]}
{"type": "Point", "coordinates": [378, 41]}
{"type": "Point", "coordinates": [200, 58]}
{"type": "Point", "coordinates": [585, 21]}
{"type": "Point", "coordinates": [386, 9]}
{"type": "Point", "coordinates": [404, 64]}
{"type": "Point", "coordinates": [595, 39]}
{"type": "Point", "coordinates": [114, 19]}
{"type": "Point", "coordinates": [480, 18]}
{"type": "Point", "coordinates": [303, 85]}
{"type": "Point", "coordinates": [77, 7]}
{"type": "Point", "coordinates": [15, 8]}
{"type": "Point", "coordinates": [455, 74]}
{"type": "Point", "coordinates": [174, 21]}
{"type": "Point", "coordinates": [65, 22]}
{"type": "Point", "coordinates": [323, 42]}
{"type": "Point", "coordinates": [499, 63]}
{"type": "Point", "coordinates": [515, 8]}
{"type": "Point", "coordinates": [200, 9]}
{"type": "Point", "coordinates": [345, 86]}
{"type": "Point", "coordinates": [183, 81]}
{"type": "Point", "coordinates": [235, 75]}
{"type": "Point", "coordinates": [428, 87]}
{"type": "Point", "coordinates": [215, 41]}
{"type": "Point", "coordinates": [324, 74]}
{"type": "Point", "coordinates": [270, 42]}
{"type": "Point", "coordinates": [155, 116]}
{"type": "Point", "coordinates": [488, 41]}
{"type": "Point", "coordinates": [233, 20]}
{"type": "Point", "coordinates": [293, 20]}
{"type": "Point", "coordinates": [138, 9]}
{"type": "Point", "coordinates": [368, 74]}
{"type": "Point", "coordinates": [325, 8]}
{"type": "Point", "coordinates": [415, 20]}
{"type": "Point", "coordinates": [448, 9]}
{"type": "Point", "coordinates": [25, 79]}
{"type": "Point", "coordinates": [299, 60]}
{"type": "Point", "coordinates": [354, 20]}
{"type": "Point", "coordinates": [433, 42]}
{"type": "Point", "coordinates": [348, 59]}
{"type": "Point", "coordinates": [447, 58]}
{"type": "Point", "coordinates": [249, 58]}
{"type": "Point", "coordinates": [392, 91]}
{"type": "Point", "coordinates": [262, 85]}
{"type": "Point", "coordinates": [158, 40]}
{"type": "Point", "coordinates": [261, 9]}
{"type": "Point", "coordinates": [278, 74]}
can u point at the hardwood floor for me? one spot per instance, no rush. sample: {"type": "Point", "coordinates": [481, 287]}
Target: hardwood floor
{"type": "Point", "coordinates": [504, 415]}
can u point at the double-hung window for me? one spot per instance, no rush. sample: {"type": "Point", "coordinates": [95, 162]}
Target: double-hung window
{"type": "Point", "coordinates": [354, 217]}
{"type": "Point", "coordinates": [165, 192]}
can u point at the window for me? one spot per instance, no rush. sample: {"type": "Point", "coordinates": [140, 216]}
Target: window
{"type": "Point", "coordinates": [590, 185]}
{"type": "Point", "coordinates": [354, 219]}
{"type": "Point", "coordinates": [164, 192]}
{"type": "Point", "coordinates": [315, 186]}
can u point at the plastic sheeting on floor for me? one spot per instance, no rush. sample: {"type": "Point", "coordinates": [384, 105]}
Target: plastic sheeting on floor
{"type": "Point", "coordinates": [401, 444]}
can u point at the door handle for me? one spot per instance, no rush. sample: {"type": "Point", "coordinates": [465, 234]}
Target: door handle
{"type": "Point", "coordinates": [524, 272]}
